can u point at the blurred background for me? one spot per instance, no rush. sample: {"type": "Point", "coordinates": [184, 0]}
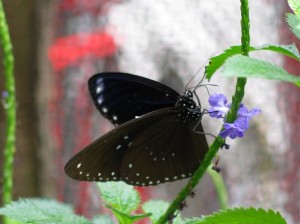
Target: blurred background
{"type": "Point", "coordinates": [58, 45]}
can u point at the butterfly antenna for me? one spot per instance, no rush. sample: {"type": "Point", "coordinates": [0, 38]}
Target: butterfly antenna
{"type": "Point", "coordinates": [194, 77]}
{"type": "Point", "coordinates": [205, 86]}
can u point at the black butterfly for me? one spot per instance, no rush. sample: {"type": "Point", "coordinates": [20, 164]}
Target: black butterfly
{"type": "Point", "coordinates": [155, 141]}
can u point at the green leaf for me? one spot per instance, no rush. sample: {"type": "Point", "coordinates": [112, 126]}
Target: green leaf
{"type": "Point", "coordinates": [102, 219]}
{"type": "Point", "coordinates": [288, 50]}
{"type": "Point", "coordinates": [220, 186]}
{"type": "Point", "coordinates": [42, 211]}
{"type": "Point", "coordinates": [216, 62]}
{"type": "Point", "coordinates": [125, 218]}
{"type": "Point", "coordinates": [241, 216]}
{"type": "Point", "coordinates": [120, 196]}
{"type": "Point", "coordinates": [295, 6]}
{"type": "Point", "coordinates": [241, 66]}
{"type": "Point", "coordinates": [294, 23]}
{"type": "Point", "coordinates": [157, 208]}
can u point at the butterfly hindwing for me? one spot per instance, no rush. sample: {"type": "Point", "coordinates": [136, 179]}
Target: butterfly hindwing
{"type": "Point", "coordinates": [102, 159]}
{"type": "Point", "coordinates": [154, 142]}
{"type": "Point", "coordinates": [169, 150]}
{"type": "Point", "coordinates": [121, 97]}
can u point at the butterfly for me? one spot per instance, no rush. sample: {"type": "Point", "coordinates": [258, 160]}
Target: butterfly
{"type": "Point", "coordinates": [154, 141]}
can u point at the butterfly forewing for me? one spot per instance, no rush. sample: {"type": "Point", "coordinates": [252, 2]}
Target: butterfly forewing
{"type": "Point", "coordinates": [121, 97]}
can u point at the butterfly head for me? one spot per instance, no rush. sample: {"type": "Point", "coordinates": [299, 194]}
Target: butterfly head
{"type": "Point", "coordinates": [188, 95]}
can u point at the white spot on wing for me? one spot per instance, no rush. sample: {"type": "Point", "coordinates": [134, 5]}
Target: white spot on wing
{"type": "Point", "coordinates": [130, 165]}
{"type": "Point", "coordinates": [100, 100]}
{"type": "Point", "coordinates": [118, 147]}
{"type": "Point", "coordinates": [99, 89]}
{"type": "Point", "coordinates": [78, 165]}
{"type": "Point", "coordinates": [104, 110]}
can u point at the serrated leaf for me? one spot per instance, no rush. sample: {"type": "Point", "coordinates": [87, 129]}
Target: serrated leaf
{"type": "Point", "coordinates": [288, 50]}
{"type": "Point", "coordinates": [157, 208]}
{"type": "Point", "coordinates": [241, 216]}
{"type": "Point", "coordinates": [42, 211]}
{"type": "Point", "coordinates": [125, 218]}
{"type": "Point", "coordinates": [295, 6]}
{"type": "Point", "coordinates": [241, 66]}
{"type": "Point", "coordinates": [216, 62]}
{"type": "Point", "coordinates": [120, 196]}
{"type": "Point", "coordinates": [102, 219]}
{"type": "Point", "coordinates": [294, 23]}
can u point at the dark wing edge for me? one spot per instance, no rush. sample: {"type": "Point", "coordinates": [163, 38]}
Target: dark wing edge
{"type": "Point", "coordinates": [121, 96]}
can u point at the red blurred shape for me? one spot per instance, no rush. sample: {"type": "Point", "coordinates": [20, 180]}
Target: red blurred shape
{"type": "Point", "coordinates": [68, 51]}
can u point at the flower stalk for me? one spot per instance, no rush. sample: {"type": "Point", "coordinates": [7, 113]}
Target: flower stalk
{"type": "Point", "coordinates": [9, 101]}
{"type": "Point", "coordinates": [232, 114]}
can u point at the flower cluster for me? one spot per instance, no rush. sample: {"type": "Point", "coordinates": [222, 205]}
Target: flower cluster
{"type": "Point", "coordinates": [219, 109]}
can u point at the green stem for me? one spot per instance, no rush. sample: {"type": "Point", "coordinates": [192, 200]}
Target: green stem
{"type": "Point", "coordinates": [10, 106]}
{"type": "Point", "coordinates": [198, 174]}
{"type": "Point", "coordinates": [220, 187]}
{"type": "Point", "coordinates": [236, 101]}
{"type": "Point", "coordinates": [241, 82]}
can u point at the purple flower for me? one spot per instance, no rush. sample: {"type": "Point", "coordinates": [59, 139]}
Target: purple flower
{"type": "Point", "coordinates": [219, 106]}
{"type": "Point", "coordinates": [243, 112]}
{"type": "Point", "coordinates": [236, 129]}
{"type": "Point", "coordinates": [219, 109]}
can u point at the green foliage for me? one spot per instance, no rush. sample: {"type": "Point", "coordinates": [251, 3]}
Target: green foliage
{"type": "Point", "coordinates": [241, 66]}
{"type": "Point", "coordinates": [294, 19]}
{"type": "Point", "coordinates": [217, 61]}
{"type": "Point", "coordinates": [295, 6]}
{"type": "Point", "coordinates": [10, 106]}
{"type": "Point", "coordinates": [294, 23]}
{"type": "Point", "coordinates": [120, 196]}
{"type": "Point", "coordinates": [122, 199]}
{"type": "Point", "coordinates": [288, 50]}
{"type": "Point", "coordinates": [42, 211]}
{"type": "Point", "coordinates": [102, 219]}
{"type": "Point", "coordinates": [240, 216]}
{"type": "Point", "coordinates": [156, 208]}
{"type": "Point", "coordinates": [220, 187]}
